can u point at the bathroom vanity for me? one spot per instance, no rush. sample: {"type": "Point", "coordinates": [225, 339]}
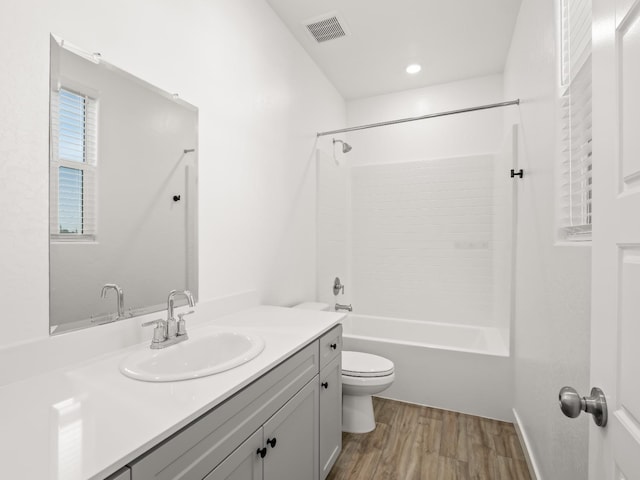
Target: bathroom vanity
{"type": "Point", "coordinates": [284, 425]}
{"type": "Point", "coordinates": [277, 416]}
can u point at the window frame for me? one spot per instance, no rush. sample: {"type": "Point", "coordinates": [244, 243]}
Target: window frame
{"type": "Point", "coordinates": [89, 165]}
{"type": "Point", "coordinates": [574, 202]}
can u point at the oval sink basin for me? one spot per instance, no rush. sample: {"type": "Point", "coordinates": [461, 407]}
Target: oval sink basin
{"type": "Point", "coordinates": [193, 358]}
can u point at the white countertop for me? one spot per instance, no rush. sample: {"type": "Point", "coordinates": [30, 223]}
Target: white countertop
{"type": "Point", "coordinates": [88, 420]}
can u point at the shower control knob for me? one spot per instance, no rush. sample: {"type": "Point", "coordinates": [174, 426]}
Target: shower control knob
{"type": "Point", "coordinates": [572, 404]}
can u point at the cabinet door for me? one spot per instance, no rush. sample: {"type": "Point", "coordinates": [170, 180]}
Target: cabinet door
{"type": "Point", "coordinates": [330, 416]}
{"type": "Point", "coordinates": [295, 431]}
{"type": "Point", "coordinates": [243, 464]}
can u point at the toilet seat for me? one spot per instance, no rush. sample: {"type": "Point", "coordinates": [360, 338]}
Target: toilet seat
{"type": "Point", "coordinates": [365, 365]}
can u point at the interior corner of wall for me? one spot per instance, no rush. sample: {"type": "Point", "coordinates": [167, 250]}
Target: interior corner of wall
{"type": "Point", "coordinates": [525, 442]}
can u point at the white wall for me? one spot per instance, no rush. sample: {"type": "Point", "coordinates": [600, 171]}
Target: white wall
{"type": "Point", "coordinates": [504, 200]}
{"type": "Point", "coordinates": [451, 136]}
{"type": "Point", "coordinates": [261, 101]}
{"type": "Point", "coordinates": [333, 228]}
{"type": "Point", "coordinates": [551, 330]}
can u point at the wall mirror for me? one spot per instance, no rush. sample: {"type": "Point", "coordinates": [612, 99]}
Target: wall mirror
{"type": "Point", "coordinates": [123, 192]}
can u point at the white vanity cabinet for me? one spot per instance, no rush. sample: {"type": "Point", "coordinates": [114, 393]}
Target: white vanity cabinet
{"type": "Point", "coordinates": [270, 430]}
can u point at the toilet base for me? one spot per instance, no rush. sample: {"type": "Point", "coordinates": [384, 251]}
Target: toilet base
{"type": "Point", "coordinates": [357, 414]}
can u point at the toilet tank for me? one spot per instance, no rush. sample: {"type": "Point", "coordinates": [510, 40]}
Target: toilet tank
{"type": "Point", "coordinates": [325, 307]}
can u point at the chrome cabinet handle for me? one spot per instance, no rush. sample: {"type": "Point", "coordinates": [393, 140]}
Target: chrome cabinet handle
{"type": "Point", "coordinates": [572, 404]}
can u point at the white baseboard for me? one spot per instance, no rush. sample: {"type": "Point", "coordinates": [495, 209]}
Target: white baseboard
{"type": "Point", "coordinates": [534, 470]}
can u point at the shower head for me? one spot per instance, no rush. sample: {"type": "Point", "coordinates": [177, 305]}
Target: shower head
{"type": "Point", "coordinates": [346, 148]}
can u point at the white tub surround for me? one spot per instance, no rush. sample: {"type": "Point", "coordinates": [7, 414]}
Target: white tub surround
{"type": "Point", "coordinates": [87, 420]}
{"type": "Point", "coordinates": [454, 367]}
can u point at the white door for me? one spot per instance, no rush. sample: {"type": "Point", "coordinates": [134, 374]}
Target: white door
{"type": "Point", "coordinates": [614, 451]}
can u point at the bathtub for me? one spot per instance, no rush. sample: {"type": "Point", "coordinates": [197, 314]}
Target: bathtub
{"type": "Point", "coordinates": [455, 367]}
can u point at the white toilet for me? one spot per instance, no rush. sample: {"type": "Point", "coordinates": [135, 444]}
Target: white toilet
{"type": "Point", "coordinates": [363, 375]}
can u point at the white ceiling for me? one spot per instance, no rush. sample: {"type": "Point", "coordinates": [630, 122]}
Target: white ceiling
{"type": "Point", "coordinates": [451, 39]}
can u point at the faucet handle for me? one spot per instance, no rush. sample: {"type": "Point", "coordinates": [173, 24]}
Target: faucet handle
{"type": "Point", "coordinates": [182, 326]}
{"type": "Point", "coordinates": [157, 322]}
{"type": "Point", "coordinates": [158, 332]}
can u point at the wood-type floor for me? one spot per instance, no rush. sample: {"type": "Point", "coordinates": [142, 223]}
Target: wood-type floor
{"type": "Point", "coordinates": [411, 442]}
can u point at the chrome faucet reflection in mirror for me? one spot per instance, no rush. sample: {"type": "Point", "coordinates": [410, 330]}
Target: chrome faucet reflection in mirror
{"type": "Point", "coordinates": [119, 297]}
{"type": "Point", "coordinates": [169, 332]}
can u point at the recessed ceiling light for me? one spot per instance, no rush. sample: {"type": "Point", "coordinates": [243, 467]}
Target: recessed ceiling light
{"type": "Point", "coordinates": [413, 68]}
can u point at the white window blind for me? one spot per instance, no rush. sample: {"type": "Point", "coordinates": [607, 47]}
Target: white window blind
{"type": "Point", "coordinates": [73, 165]}
{"type": "Point", "coordinates": [575, 205]}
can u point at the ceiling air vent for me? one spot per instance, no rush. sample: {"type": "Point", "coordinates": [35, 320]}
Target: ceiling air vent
{"type": "Point", "coordinates": [326, 27]}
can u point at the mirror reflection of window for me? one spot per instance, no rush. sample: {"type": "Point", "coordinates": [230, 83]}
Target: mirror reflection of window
{"type": "Point", "coordinates": [74, 134]}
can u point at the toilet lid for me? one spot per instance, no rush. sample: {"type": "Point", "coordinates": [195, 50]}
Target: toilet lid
{"type": "Point", "coordinates": [359, 364]}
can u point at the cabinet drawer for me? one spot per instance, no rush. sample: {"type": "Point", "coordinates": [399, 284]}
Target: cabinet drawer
{"type": "Point", "coordinates": [330, 346]}
{"type": "Point", "coordinates": [197, 449]}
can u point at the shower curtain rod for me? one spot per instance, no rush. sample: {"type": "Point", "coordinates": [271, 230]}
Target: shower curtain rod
{"type": "Point", "coordinates": [423, 117]}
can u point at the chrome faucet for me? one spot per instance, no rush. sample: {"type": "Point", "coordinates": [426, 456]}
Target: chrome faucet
{"type": "Point", "coordinates": [119, 294]}
{"type": "Point", "coordinates": [169, 332]}
{"type": "Point", "coordinates": [172, 324]}
{"type": "Point", "coordinates": [339, 307]}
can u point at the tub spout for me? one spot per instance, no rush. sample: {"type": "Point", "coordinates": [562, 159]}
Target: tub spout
{"type": "Point", "coordinates": [339, 307]}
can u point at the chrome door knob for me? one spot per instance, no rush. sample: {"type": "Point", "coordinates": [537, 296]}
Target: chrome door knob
{"type": "Point", "coordinates": [571, 404]}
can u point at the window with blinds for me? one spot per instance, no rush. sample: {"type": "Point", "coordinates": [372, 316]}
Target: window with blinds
{"type": "Point", "coordinates": [575, 197]}
{"type": "Point", "coordinates": [73, 165]}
